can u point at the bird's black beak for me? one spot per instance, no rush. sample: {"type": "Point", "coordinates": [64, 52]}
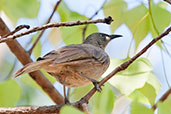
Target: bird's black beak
{"type": "Point", "coordinates": [114, 36]}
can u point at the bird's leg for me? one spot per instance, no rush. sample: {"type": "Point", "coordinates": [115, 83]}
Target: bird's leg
{"type": "Point", "coordinates": [95, 82]}
{"type": "Point", "coordinates": [65, 96]}
{"type": "Point", "coordinates": [68, 91]}
{"type": "Point", "coordinates": [64, 89]}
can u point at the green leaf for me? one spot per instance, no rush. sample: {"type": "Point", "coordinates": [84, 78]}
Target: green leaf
{"type": "Point", "coordinates": [103, 102]}
{"type": "Point", "coordinates": [161, 18]}
{"type": "Point", "coordinates": [78, 93]}
{"type": "Point", "coordinates": [5, 66]}
{"type": "Point", "coordinates": [16, 9]}
{"type": "Point", "coordinates": [135, 76]}
{"type": "Point", "coordinates": [70, 110]}
{"type": "Point", "coordinates": [137, 108]}
{"type": "Point", "coordinates": [116, 9]}
{"type": "Point", "coordinates": [141, 65]}
{"type": "Point", "coordinates": [137, 20]}
{"type": "Point", "coordinates": [73, 35]}
{"type": "Point", "coordinates": [164, 107]}
{"type": "Point", "coordinates": [9, 93]}
{"type": "Point", "coordinates": [149, 92]}
{"type": "Point", "coordinates": [139, 97]}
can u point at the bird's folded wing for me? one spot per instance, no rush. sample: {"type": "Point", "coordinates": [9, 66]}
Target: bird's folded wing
{"type": "Point", "coordinates": [76, 52]}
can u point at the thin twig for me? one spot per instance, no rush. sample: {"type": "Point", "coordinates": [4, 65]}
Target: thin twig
{"type": "Point", "coordinates": [123, 66]}
{"type": "Point", "coordinates": [164, 69]}
{"type": "Point", "coordinates": [107, 20]}
{"type": "Point", "coordinates": [163, 98]}
{"type": "Point", "coordinates": [18, 28]}
{"type": "Point", "coordinates": [85, 28]}
{"type": "Point", "coordinates": [48, 21]}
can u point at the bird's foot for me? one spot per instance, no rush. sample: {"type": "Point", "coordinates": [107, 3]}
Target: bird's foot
{"type": "Point", "coordinates": [67, 101]}
{"type": "Point", "coordinates": [97, 86]}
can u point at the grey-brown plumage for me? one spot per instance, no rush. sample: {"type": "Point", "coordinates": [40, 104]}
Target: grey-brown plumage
{"type": "Point", "coordinates": [72, 64]}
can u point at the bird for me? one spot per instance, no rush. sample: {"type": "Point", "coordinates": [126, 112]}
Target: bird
{"type": "Point", "coordinates": [75, 65]}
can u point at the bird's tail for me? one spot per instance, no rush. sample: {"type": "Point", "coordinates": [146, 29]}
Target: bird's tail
{"type": "Point", "coordinates": [31, 67]}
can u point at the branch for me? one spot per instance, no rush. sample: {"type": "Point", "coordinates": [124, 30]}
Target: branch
{"type": "Point", "coordinates": [168, 1]}
{"type": "Point", "coordinates": [123, 66]}
{"type": "Point", "coordinates": [53, 109]}
{"type": "Point", "coordinates": [32, 110]}
{"type": "Point", "coordinates": [18, 28]}
{"type": "Point", "coordinates": [163, 98]}
{"type": "Point", "coordinates": [24, 58]}
{"type": "Point", "coordinates": [40, 35]}
{"type": "Point", "coordinates": [107, 20]}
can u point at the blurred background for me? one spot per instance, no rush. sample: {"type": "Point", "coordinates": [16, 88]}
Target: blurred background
{"type": "Point", "coordinates": [139, 21]}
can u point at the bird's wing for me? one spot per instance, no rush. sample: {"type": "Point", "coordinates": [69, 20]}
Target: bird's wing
{"type": "Point", "coordinates": [76, 52]}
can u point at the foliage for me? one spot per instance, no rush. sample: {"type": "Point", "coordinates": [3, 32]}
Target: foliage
{"type": "Point", "coordinates": [138, 82]}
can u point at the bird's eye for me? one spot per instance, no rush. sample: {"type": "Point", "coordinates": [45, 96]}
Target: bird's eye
{"type": "Point", "coordinates": [101, 35]}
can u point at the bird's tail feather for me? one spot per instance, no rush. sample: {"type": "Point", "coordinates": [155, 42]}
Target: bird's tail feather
{"type": "Point", "coordinates": [31, 67]}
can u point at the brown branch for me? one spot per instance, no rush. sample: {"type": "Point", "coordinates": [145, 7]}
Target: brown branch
{"type": "Point", "coordinates": [107, 20]}
{"type": "Point", "coordinates": [53, 109]}
{"type": "Point", "coordinates": [18, 28]}
{"type": "Point", "coordinates": [40, 35]}
{"type": "Point", "coordinates": [32, 110]}
{"type": "Point", "coordinates": [24, 58]}
{"type": "Point", "coordinates": [163, 98]}
{"type": "Point", "coordinates": [168, 1]}
{"type": "Point", "coordinates": [123, 67]}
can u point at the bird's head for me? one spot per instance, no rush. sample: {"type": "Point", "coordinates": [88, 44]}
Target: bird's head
{"type": "Point", "coordinates": [100, 39]}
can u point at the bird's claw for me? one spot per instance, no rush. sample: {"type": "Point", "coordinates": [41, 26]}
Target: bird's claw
{"type": "Point", "coordinates": [97, 86]}
{"type": "Point", "coordinates": [67, 101]}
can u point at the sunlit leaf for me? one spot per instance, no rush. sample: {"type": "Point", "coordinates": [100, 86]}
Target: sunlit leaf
{"type": "Point", "coordinates": [70, 110]}
{"type": "Point", "coordinates": [103, 102]}
{"type": "Point", "coordinates": [137, 19]}
{"type": "Point", "coordinates": [149, 92]}
{"type": "Point", "coordinates": [139, 97]}
{"type": "Point", "coordinates": [116, 9]}
{"type": "Point", "coordinates": [165, 107]}
{"type": "Point", "coordinates": [16, 9]}
{"type": "Point", "coordinates": [161, 18]}
{"type": "Point", "coordinates": [135, 76]}
{"type": "Point", "coordinates": [137, 108]}
{"type": "Point", "coordinates": [9, 93]}
{"type": "Point", "coordinates": [54, 36]}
